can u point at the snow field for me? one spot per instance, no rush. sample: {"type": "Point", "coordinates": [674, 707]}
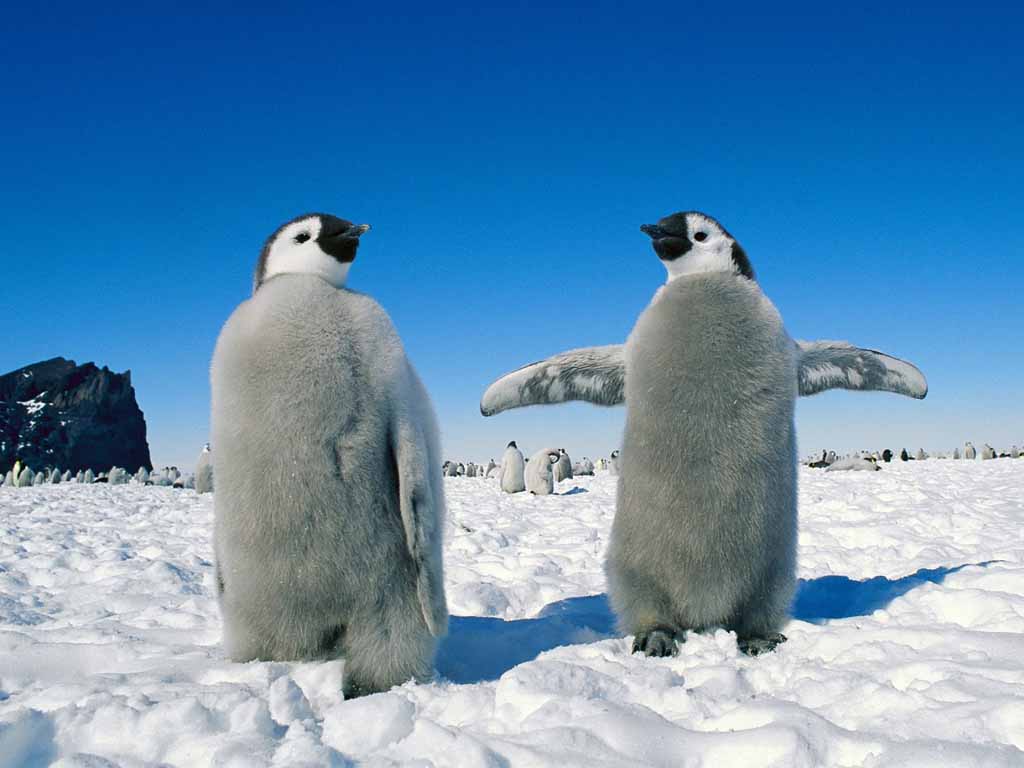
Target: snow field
{"type": "Point", "coordinates": [906, 648]}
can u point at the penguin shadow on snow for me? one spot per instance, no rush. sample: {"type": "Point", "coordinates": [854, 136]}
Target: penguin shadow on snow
{"type": "Point", "coordinates": [479, 649]}
{"type": "Point", "coordinates": [840, 597]}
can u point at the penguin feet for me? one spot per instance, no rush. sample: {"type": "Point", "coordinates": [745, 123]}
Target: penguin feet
{"type": "Point", "coordinates": [755, 646]}
{"type": "Point", "coordinates": [657, 641]}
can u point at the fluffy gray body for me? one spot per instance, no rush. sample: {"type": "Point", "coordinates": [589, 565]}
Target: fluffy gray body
{"type": "Point", "coordinates": [513, 467]}
{"type": "Point", "coordinates": [970, 452]}
{"type": "Point", "coordinates": [329, 503]}
{"type": "Point", "coordinates": [563, 469]}
{"type": "Point", "coordinates": [705, 525]}
{"type": "Point", "coordinates": [204, 471]}
{"type": "Point", "coordinates": [540, 479]}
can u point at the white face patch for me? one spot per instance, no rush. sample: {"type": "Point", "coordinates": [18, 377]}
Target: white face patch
{"type": "Point", "coordinates": [293, 253]}
{"type": "Point", "coordinates": [712, 254]}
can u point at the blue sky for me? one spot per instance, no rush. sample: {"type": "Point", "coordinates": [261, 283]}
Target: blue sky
{"type": "Point", "coordinates": [868, 158]}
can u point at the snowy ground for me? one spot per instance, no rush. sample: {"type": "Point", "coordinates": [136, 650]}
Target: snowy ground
{"type": "Point", "coordinates": [907, 647]}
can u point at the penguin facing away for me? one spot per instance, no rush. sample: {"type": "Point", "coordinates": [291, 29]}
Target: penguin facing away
{"type": "Point", "coordinates": [708, 367]}
{"type": "Point", "coordinates": [513, 467]}
{"type": "Point", "coordinates": [329, 508]}
{"type": "Point", "coordinates": [540, 479]}
{"type": "Point", "coordinates": [970, 452]}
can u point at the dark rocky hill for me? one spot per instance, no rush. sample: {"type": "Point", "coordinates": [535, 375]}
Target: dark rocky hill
{"type": "Point", "coordinates": [59, 414]}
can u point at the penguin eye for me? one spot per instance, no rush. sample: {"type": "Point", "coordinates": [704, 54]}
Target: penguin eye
{"type": "Point", "coordinates": [700, 237]}
{"type": "Point", "coordinates": [302, 237]}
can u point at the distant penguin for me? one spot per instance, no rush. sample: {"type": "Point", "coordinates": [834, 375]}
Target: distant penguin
{"type": "Point", "coordinates": [329, 509]}
{"type": "Point", "coordinates": [970, 452]}
{"type": "Point", "coordinates": [613, 464]}
{"type": "Point", "coordinates": [16, 469]}
{"type": "Point", "coordinates": [452, 470]}
{"type": "Point", "coordinates": [204, 471]}
{"type": "Point", "coordinates": [904, 456]}
{"type": "Point", "coordinates": [854, 463]}
{"type": "Point", "coordinates": [39, 479]}
{"type": "Point", "coordinates": [513, 467]}
{"type": "Point", "coordinates": [886, 455]}
{"type": "Point", "coordinates": [956, 453]}
{"type": "Point", "coordinates": [921, 456]}
{"type": "Point", "coordinates": [563, 470]}
{"type": "Point", "coordinates": [1014, 452]}
{"type": "Point", "coordinates": [55, 477]}
{"type": "Point", "coordinates": [9, 478]}
{"type": "Point", "coordinates": [25, 478]}
{"type": "Point", "coordinates": [699, 543]}
{"type": "Point", "coordinates": [491, 467]}
{"type": "Point", "coordinates": [540, 479]}
{"type": "Point", "coordinates": [471, 469]}
{"type": "Point", "coordinates": [988, 452]}
{"type": "Point", "coordinates": [80, 476]}
{"type": "Point", "coordinates": [142, 476]}
{"type": "Point", "coordinates": [462, 469]}
{"type": "Point", "coordinates": [820, 463]}
{"type": "Point", "coordinates": [831, 458]}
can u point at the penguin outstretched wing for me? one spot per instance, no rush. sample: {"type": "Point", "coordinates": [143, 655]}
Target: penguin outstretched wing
{"type": "Point", "coordinates": [417, 453]}
{"type": "Point", "coordinates": [594, 374]}
{"type": "Point", "coordinates": [838, 365]}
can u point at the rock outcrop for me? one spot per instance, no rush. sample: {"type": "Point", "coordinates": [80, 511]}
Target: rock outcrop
{"type": "Point", "coordinates": [75, 417]}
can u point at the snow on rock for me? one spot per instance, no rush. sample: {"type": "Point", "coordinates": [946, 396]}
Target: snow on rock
{"type": "Point", "coordinates": [906, 646]}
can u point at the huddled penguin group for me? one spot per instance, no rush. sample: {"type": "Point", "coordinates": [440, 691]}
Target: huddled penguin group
{"type": "Point", "coordinates": [699, 543]}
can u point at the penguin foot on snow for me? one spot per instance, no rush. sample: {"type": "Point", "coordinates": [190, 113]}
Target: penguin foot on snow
{"type": "Point", "coordinates": [657, 641]}
{"type": "Point", "coordinates": [755, 646]}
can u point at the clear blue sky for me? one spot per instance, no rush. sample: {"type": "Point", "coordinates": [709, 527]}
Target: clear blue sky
{"type": "Point", "coordinates": [869, 159]}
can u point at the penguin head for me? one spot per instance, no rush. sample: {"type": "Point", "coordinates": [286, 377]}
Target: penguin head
{"type": "Point", "coordinates": [615, 454]}
{"type": "Point", "coordinates": [553, 458]}
{"type": "Point", "coordinates": [512, 445]}
{"type": "Point", "coordinates": [312, 244]}
{"type": "Point", "coordinates": [690, 243]}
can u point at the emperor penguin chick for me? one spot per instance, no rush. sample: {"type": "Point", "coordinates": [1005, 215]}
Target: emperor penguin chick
{"type": "Point", "coordinates": [513, 466]}
{"type": "Point", "coordinates": [329, 508]}
{"type": "Point", "coordinates": [540, 479]}
{"type": "Point", "coordinates": [204, 471]}
{"type": "Point", "coordinates": [705, 527]}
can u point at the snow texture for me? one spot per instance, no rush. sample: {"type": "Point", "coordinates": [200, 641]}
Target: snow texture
{"type": "Point", "coordinates": [905, 649]}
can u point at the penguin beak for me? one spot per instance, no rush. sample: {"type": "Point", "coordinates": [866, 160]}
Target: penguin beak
{"type": "Point", "coordinates": [668, 246]}
{"type": "Point", "coordinates": [357, 229]}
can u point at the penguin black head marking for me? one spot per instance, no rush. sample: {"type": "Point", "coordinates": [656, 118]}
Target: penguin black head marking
{"type": "Point", "coordinates": [313, 244]}
{"type": "Point", "coordinates": [691, 242]}
{"type": "Point", "coordinates": [512, 445]}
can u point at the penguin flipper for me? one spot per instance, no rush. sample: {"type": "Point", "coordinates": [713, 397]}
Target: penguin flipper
{"type": "Point", "coordinates": [838, 365]}
{"type": "Point", "coordinates": [594, 374]}
{"type": "Point", "coordinates": [421, 501]}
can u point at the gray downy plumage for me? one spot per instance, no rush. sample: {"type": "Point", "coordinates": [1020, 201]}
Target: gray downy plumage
{"type": "Point", "coordinates": [9, 478]}
{"type": "Point", "coordinates": [970, 452]}
{"type": "Point", "coordinates": [705, 526]}
{"type": "Point", "coordinates": [26, 478]}
{"type": "Point", "coordinates": [204, 471]}
{"type": "Point", "coordinates": [513, 467]}
{"type": "Point", "coordinates": [563, 469]}
{"type": "Point", "coordinates": [540, 472]}
{"type": "Point", "coordinates": [329, 509]}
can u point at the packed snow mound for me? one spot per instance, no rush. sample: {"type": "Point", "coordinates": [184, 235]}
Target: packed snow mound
{"type": "Point", "coordinates": [905, 649]}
